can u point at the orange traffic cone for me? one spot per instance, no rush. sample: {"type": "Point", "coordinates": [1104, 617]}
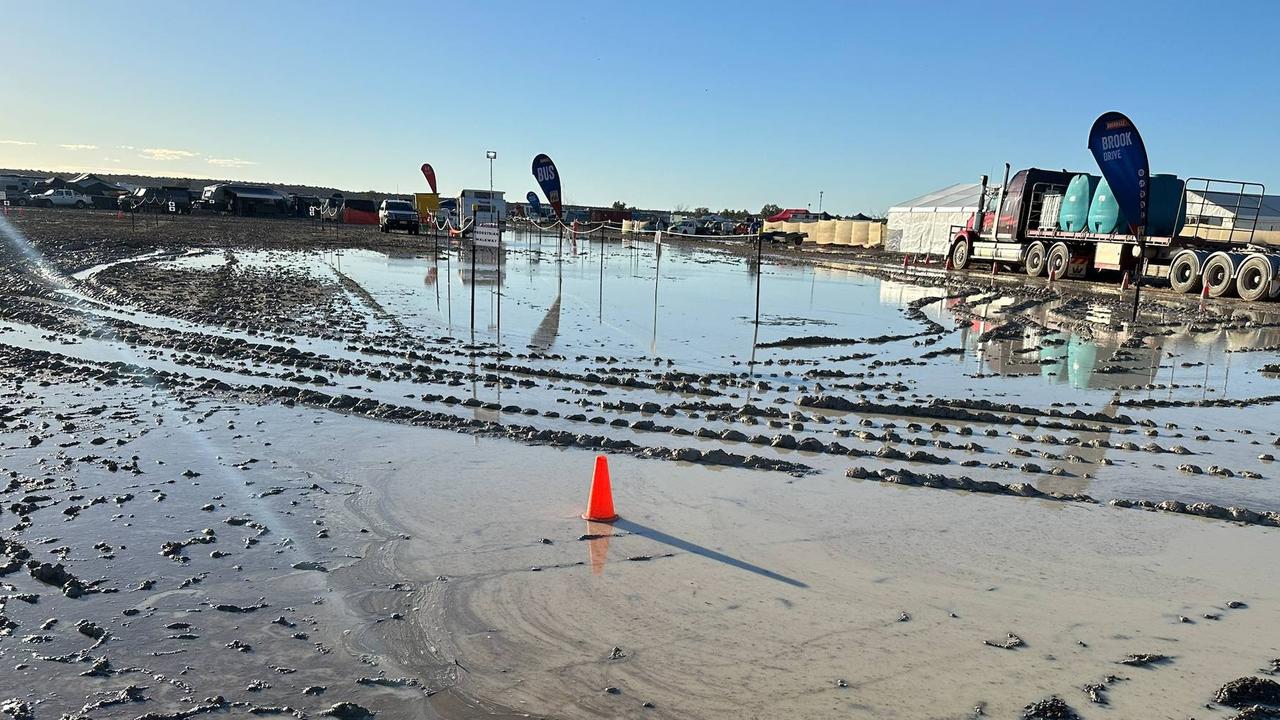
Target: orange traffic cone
{"type": "Point", "coordinates": [600, 503]}
{"type": "Point", "coordinates": [1124, 282]}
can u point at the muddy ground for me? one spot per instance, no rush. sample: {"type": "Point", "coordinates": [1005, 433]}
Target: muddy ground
{"type": "Point", "coordinates": [266, 468]}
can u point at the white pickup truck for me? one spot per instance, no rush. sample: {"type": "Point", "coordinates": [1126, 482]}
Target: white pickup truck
{"type": "Point", "coordinates": [61, 198]}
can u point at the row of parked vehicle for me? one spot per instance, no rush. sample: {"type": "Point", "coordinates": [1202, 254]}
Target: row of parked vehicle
{"type": "Point", "coordinates": [710, 226]}
{"type": "Point", "coordinates": [48, 198]}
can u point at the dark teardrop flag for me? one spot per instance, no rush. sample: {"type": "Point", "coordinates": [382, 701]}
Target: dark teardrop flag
{"type": "Point", "coordinates": [544, 171]}
{"type": "Point", "coordinates": [534, 205]}
{"type": "Point", "coordinates": [1122, 157]}
{"type": "Point", "coordinates": [430, 174]}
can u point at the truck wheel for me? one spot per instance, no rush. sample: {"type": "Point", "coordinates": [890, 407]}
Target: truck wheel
{"type": "Point", "coordinates": [1218, 274]}
{"type": "Point", "coordinates": [1035, 260]}
{"type": "Point", "coordinates": [960, 253]}
{"type": "Point", "coordinates": [1184, 272]}
{"type": "Point", "coordinates": [1255, 277]}
{"type": "Point", "coordinates": [79, 204]}
{"type": "Point", "coordinates": [1059, 259]}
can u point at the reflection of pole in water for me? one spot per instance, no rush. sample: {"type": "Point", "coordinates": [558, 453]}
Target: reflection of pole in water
{"type": "Point", "coordinates": [448, 287]}
{"type": "Point", "coordinates": [471, 353]}
{"type": "Point", "coordinates": [1205, 384]}
{"type": "Point", "coordinates": [759, 272]}
{"type": "Point", "coordinates": [601, 307]}
{"type": "Point", "coordinates": [1226, 374]}
{"type": "Point", "coordinates": [499, 290]}
{"type": "Point", "coordinates": [657, 265]}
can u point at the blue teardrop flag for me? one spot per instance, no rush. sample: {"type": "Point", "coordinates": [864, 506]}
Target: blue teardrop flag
{"type": "Point", "coordinates": [534, 205]}
{"type": "Point", "coordinates": [1122, 157]}
{"type": "Point", "coordinates": [544, 171]}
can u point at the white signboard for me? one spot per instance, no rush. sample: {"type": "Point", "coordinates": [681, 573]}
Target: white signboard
{"type": "Point", "coordinates": [657, 238]}
{"type": "Point", "coordinates": [487, 236]}
{"type": "Point", "coordinates": [311, 211]}
{"type": "Point", "coordinates": [173, 207]}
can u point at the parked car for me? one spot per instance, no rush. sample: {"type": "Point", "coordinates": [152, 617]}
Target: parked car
{"type": "Point", "coordinates": [398, 214]}
{"type": "Point", "coordinates": [61, 198]}
{"type": "Point", "coordinates": [686, 227]}
{"type": "Point", "coordinates": [14, 198]}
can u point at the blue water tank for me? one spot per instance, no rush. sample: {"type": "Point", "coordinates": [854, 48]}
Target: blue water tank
{"type": "Point", "coordinates": [1074, 215]}
{"type": "Point", "coordinates": [1104, 212]}
{"type": "Point", "coordinates": [1165, 212]}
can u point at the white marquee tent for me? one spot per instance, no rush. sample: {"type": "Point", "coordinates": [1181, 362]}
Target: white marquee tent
{"type": "Point", "coordinates": [923, 225]}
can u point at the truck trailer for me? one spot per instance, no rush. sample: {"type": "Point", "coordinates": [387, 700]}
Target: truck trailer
{"type": "Point", "coordinates": [1034, 223]}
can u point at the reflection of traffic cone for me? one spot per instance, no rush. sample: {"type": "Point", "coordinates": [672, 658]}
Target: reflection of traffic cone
{"type": "Point", "coordinates": [600, 503]}
{"type": "Point", "coordinates": [598, 545]}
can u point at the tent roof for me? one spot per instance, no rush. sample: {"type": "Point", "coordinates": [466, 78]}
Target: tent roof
{"type": "Point", "coordinates": [784, 215]}
{"type": "Point", "coordinates": [254, 193]}
{"type": "Point", "coordinates": [963, 197]}
{"type": "Point", "coordinates": [1270, 205]}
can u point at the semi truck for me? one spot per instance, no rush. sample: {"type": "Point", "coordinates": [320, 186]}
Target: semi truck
{"type": "Point", "coordinates": [1201, 233]}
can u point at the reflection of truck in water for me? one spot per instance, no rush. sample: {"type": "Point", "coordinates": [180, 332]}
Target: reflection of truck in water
{"type": "Point", "coordinates": [1199, 232]}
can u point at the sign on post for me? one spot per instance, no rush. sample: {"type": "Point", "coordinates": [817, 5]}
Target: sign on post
{"type": "Point", "coordinates": [544, 171]}
{"type": "Point", "coordinates": [487, 236]}
{"type": "Point", "coordinates": [429, 173]}
{"type": "Point", "coordinates": [173, 206]}
{"type": "Point", "coordinates": [1122, 158]}
{"type": "Point", "coordinates": [657, 238]}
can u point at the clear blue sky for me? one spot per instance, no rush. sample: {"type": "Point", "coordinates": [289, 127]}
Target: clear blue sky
{"type": "Point", "coordinates": [655, 103]}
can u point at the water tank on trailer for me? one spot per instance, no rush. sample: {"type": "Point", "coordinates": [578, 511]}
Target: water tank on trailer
{"type": "Point", "coordinates": [1165, 211]}
{"type": "Point", "coordinates": [1104, 212]}
{"type": "Point", "coordinates": [1074, 214]}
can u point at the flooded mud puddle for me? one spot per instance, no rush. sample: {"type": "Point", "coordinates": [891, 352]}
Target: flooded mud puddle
{"type": "Point", "coordinates": [798, 463]}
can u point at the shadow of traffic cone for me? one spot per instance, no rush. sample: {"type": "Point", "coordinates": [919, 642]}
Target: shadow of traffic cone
{"type": "Point", "coordinates": [600, 503]}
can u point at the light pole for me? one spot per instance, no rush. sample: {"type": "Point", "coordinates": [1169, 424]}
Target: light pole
{"type": "Point", "coordinates": [819, 202]}
{"type": "Point", "coordinates": [492, 156]}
